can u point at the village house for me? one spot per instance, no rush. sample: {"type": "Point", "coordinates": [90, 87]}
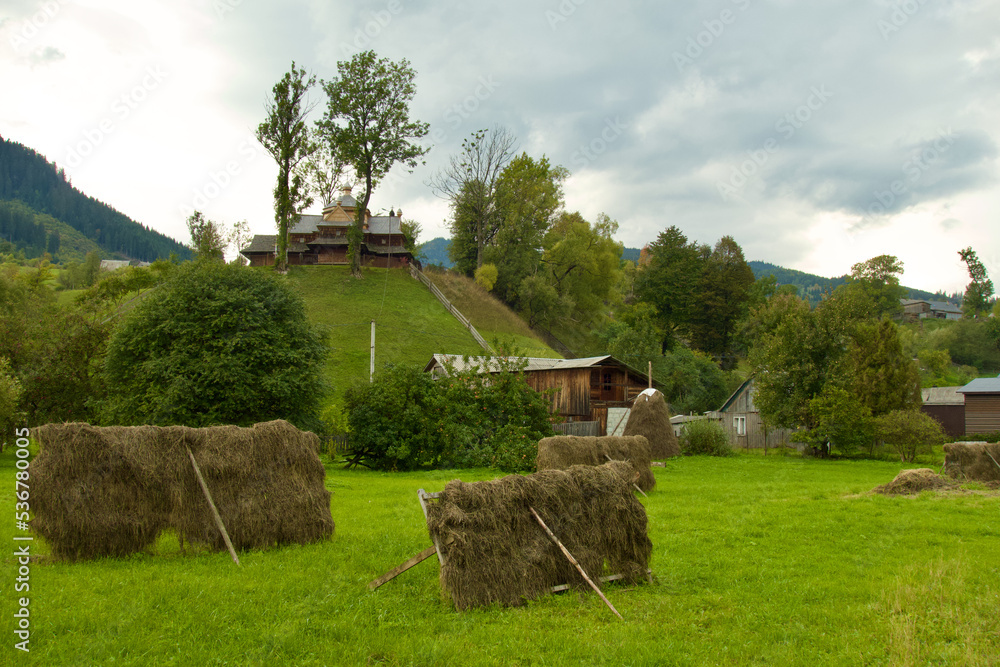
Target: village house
{"type": "Point", "coordinates": [742, 421]}
{"type": "Point", "coordinates": [593, 395]}
{"type": "Point", "coordinates": [914, 309]}
{"type": "Point", "coordinates": [322, 239]}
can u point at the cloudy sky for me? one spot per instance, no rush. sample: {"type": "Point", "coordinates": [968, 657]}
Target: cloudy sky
{"type": "Point", "coordinates": [817, 134]}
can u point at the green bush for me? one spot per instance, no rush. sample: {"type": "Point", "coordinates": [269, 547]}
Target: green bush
{"type": "Point", "coordinates": [909, 432]}
{"type": "Point", "coordinates": [705, 436]}
{"type": "Point", "coordinates": [407, 420]}
{"type": "Point", "coordinates": [215, 344]}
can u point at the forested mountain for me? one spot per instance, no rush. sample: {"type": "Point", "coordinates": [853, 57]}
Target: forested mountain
{"type": "Point", "coordinates": [36, 198]}
{"type": "Point", "coordinates": [812, 287]}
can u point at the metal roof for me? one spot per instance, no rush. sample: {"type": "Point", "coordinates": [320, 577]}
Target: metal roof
{"type": "Point", "coordinates": [982, 386]}
{"type": "Point", "coordinates": [461, 364]}
{"type": "Point", "coordinates": [942, 396]}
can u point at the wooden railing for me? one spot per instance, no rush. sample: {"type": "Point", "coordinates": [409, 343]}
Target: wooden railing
{"type": "Point", "coordinates": [418, 274]}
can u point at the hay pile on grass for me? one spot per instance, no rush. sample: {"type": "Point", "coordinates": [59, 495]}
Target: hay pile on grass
{"type": "Point", "coordinates": [110, 491]}
{"type": "Point", "coordinates": [496, 552]}
{"type": "Point", "coordinates": [973, 460]}
{"type": "Point", "coordinates": [650, 418]}
{"type": "Point", "coordinates": [914, 481]}
{"type": "Point", "coordinates": [562, 451]}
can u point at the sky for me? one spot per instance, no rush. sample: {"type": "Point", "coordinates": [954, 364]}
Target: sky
{"type": "Point", "coordinates": [816, 134]}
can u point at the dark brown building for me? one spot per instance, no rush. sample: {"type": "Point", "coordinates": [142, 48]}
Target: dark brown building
{"type": "Point", "coordinates": [585, 388]}
{"type": "Point", "coordinates": [946, 405]}
{"type": "Point", "coordinates": [322, 239]}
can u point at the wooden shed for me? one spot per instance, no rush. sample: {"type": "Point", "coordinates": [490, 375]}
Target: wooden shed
{"type": "Point", "coordinates": [946, 405]}
{"type": "Point", "coordinates": [741, 419]}
{"type": "Point", "coordinates": [982, 405]}
{"type": "Point", "coordinates": [585, 388]}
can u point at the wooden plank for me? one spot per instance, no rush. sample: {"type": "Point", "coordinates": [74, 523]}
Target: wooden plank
{"type": "Point", "coordinates": [423, 496]}
{"type": "Point", "coordinates": [403, 567]}
{"type": "Point", "coordinates": [572, 560]}
{"type": "Point", "coordinates": [215, 513]}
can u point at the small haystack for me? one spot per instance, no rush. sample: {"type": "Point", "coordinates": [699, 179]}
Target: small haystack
{"type": "Point", "coordinates": [650, 418]}
{"type": "Point", "coordinates": [914, 481]}
{"type": "Point", "coordinates": [979, 461]}
{"type": "Point", "coordinates": [110, 491]}
{"type": "Point", "coordinates": [496, 552]}
{"type": "Point", "coordinates": [562, 451]}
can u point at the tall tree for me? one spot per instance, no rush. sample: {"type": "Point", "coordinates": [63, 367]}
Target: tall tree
{"type": "Point", "coordinates": [669, 281]}
{"type": "Point", "coordinates": [978, 292]}
{"type": "Point", "coordinates": [285, 136]}
{"type": "Point", "coordinates": [326, 171]}
{"type": "Point", "coordinates": [879, 278]}
{"type": "Point", "coordinates": [469, 183]}
{"type": "Point", "coordinates": [722, 297]}
{"type": "Point", "coordinates": [208, 239]}
{"type": "Point", "coordinates": [367, 124]}
{"type": "Point", "coordinates": [529, 195]}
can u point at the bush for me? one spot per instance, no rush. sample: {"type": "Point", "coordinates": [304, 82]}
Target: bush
{"type": "Point", "coordinates": [909, 432]}
{"type": "Point", "coordinates": [406, 420]}
{"type": "Point", "coordinates": [486, 276]}
{"type": "Point", "coordinates": [705, 436]}
{"type": "Point", "coordinates": [215, 344]}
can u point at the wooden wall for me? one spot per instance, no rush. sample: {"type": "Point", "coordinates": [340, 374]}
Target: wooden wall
{"type": "Point", "coordinates": [982, 413]}
{"type": "Point", "coordinates": [572, 398]}
{"type": "Point", "coordinates": [951, 417]}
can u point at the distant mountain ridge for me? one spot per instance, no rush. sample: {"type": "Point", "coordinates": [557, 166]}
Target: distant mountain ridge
{"type": "Point", "coordinates": [40, 211]}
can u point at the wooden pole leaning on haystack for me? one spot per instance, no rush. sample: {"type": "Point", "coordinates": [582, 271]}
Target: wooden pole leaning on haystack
{"type": "Point", "coordinates": [211, 504]}
{"type": "Point", "coordinates": [572, 560]}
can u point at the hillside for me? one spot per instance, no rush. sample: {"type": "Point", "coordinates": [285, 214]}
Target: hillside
{"type": "Point", "coordinates": [411, 325]}
{"type": "Point", "coordinates": [42, 212]}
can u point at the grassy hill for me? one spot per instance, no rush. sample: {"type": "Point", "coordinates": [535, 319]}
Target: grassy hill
{"type": "Point", "coordinates": [411, 325]}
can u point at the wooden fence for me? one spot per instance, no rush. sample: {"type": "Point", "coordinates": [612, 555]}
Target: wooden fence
{"type": "Point", "coordinates": [418, 274]}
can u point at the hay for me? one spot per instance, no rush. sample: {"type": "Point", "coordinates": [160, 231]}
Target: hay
{"type": "Point", "coordinates": [110, 491]}
{"type": "Point", "coordinates": [913, 481]}
{"type": "Point", "coordinates": [650, 418]}
{"type": "Point", "coordinates": [971, 460]}
{"type": "Point", "coordinates": [495, 551]}
{"type": "Point", "coordinates": [562, 451]}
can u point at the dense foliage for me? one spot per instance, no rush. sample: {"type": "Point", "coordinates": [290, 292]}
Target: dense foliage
{"type": "Point", "coordinates": [216, 344]}
{"type": "Point", "coordinates": [706, 437]}
{"type": "Point", "coordinates": [909, 432]}
{"type": "Point", "coordinates": [406, 420]}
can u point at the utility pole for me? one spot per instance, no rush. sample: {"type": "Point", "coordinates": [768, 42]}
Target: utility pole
{"type": "Point", "coordinates": [371, 368]}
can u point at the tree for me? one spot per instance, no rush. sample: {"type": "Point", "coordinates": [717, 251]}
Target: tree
{"type": "Point", "coordinates": [239, 238]}
{"type": "Point", "coordinates": [470, 184]}
{"type": "Point", "coordinates": [208, 239]}
{"type": "Point", "coordinates": [368, 127]}
{"type": "Point", "coordinates": [216, 344]}
{"type": "Point", "coordinates": [909, 432]}
{"type": "Point", "coordinates": [978, 292]}
{"type": "Point", "coordinates": [285, 136]}
{"type": "Point", "coordinates": [669, 281]}
{"type": "Point", "coordinates": [529, 194]}
{"type": "Point", "coordinates": [325, 171]}
{"type": "Point", "coordinates": [878, 278]}
{"type": "Point", "coordinates": [722, 297]}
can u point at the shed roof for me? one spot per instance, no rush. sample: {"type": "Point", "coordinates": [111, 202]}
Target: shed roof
{"type": "Point", "coordinates": [261, 243]}
{"type": "Point", "coordinates": [982, 386]}
{"type": "Point", "coordinates": [942, 396]}
{"type": "Point", "coordinates": [460, 363]}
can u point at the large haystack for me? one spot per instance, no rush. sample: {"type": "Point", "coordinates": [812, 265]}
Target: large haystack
{"type": "Point", "coordinates": [979, 461]}
{"type": "Point", "coordinates": [110, 491]}
{"type": "Point", "coordinates": [496, 552]}
{"type": "Point", "coordinates": [562, 451]}
{"type": "Point", "coordinates": [650, 418]}
{"type": "Point", "coordinates": [914, 481]}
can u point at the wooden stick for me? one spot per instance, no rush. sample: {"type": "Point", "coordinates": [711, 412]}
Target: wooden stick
{"type": "Point", "coordinates": [572, 560]}
{"type": "Point", "coordinates": [991, 456]}
{"type": "Point", "coordinates": [211, 504]}
{"type": "Point", "coordinates": [422, 496]}
{"type": "Point", "coordinates": [403, 567]}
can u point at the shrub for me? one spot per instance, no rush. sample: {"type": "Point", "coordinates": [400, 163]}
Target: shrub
{"type": "Point", "coordinates": [909, 432]}
{"type": "Point", "coordinates": [486, 276]}
{"type": "Point", "coordinates": [705, 436]}
{"type": "Point", "coordinates": [215, 344]}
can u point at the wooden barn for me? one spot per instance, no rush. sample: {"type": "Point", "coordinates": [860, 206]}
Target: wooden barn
{"type": "Point", "coordinates": [586, 389]}
{"type": "Point", "coordinates": [947, 406]}
{"type": "Point", "coordinates": [982, 405]}
{"type": "Point", "coordinates": [741, 419]}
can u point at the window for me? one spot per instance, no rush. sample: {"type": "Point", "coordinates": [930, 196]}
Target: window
{"type": "Point", "coordinates": [740, 424]}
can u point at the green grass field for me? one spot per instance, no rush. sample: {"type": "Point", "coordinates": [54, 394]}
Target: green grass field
{"type": "Point", "coordinates": [773, 560]}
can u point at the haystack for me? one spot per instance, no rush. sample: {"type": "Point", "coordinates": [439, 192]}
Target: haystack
{"type": "Point", "coordinates": [979, 461]}
{"type": "Point", "coordinates": [914, 481]}
{"type": "Point", "coordinates": [650, 418]}
{"type": "Point", "coordinates": [496, 552]}
{"type": "Point", "coordinates": [110, 491]}
{"type": "Point", "coordinates": [562, 451]}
